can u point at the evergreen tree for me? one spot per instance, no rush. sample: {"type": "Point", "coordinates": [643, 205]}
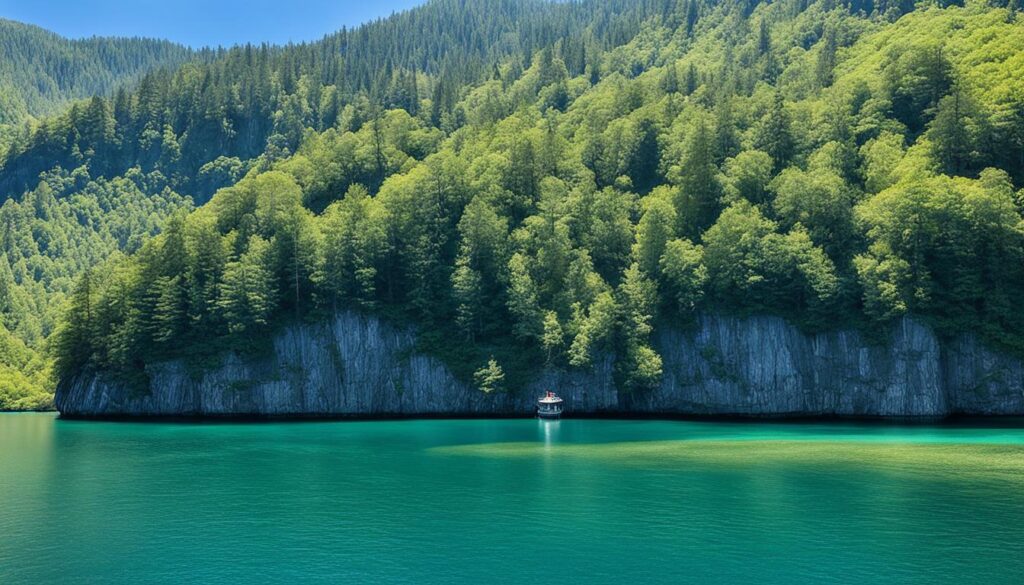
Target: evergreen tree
{"type": "Point", "coordinates": [490, 378]}
{"type": "Point", "coordinates": [950, 132]}
{"type": "Point", "coordinates": [553, 338]}
{"type": "Point", "coordinates": [774, 135]}
{"type": "Point", "coordinates": [699, 189]}
{"type": "Point", "coordinates": [248, 292]}
{"type": "Point", "coordinates": [522, 300]}
{"type": "Point", "coordinates": [643, 165]}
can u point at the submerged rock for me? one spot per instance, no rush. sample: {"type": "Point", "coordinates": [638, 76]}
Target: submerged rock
{"type": "Point", "coordinates": [355, 365]}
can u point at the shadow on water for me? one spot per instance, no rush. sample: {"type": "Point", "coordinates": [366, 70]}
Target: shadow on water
{"type": "Point", "coordinates": [956, 421]}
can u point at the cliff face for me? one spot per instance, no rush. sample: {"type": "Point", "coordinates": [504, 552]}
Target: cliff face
{"type": "Point", "coordinates": [762, 366]}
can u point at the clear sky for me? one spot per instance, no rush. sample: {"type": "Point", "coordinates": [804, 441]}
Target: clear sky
{"type": "Point", "coordinates": [201, 22]}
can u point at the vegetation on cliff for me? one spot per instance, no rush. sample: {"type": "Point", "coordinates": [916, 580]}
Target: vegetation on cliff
{"type": "Point", "coordinates": [557, 190]}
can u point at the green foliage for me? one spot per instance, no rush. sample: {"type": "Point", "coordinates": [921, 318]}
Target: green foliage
{"type": "Point", "coordinates": [552, 197]}
{"type": "Point", "coordinates": [698, 200]}
{"type": "Point", "coordinates": [24, 376]}
{"type": "Point", "coordinates": [747, 175]}
{"type": "Point", "coordinates": [882, 157]}
{"type": "Point", "coordinates": [684, 276]}
{"type": "Point", "coordinates": [54, 234]}
{"type": "Point", "coordinates": [950, 248]}
{"type": "Point", "coordinates": [638, 296]}
{"type": "Point", "coordinates": [249, 101]}
{"type": "Point", "coordinates": [773, 134]}
{"type": "Point", "coordinates": [820, 201]}
{"type": "Point", "coordinates": [41, 72]}
{"type": "Point", "coordinates": [594, 327]}
{"type": "Point", "coordinates": [751, 265]}
{"type": "Point", "coordinates": [490, 378]}
{"type": "Point", "coordinates": [522, 300]}
{"type": "Point", "coordinates": [248, 291]}
{"type": "Point", "coordinates": [553, 338]}
{"type": "Point", "coordinates": [657, 226]}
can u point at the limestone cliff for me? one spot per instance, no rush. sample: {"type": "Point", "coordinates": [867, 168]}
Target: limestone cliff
{"type": "Point", "coordinates": [355, 365]}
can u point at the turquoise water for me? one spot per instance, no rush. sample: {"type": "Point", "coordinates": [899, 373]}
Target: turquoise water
{"type": "Point", "coordinates": [516, 501]}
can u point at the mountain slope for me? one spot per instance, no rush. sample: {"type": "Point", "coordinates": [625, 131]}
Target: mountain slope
{"type": "Point", "coordinates": [40, 72]}
{"type": "Point", "coordinates": [802, 159]}
{"type": "Point", "coordinates": [534, 183]}
{"type": "Point", "coordinates": [252, 99]}
{"type": "Point", "coordinates": [76, 186]}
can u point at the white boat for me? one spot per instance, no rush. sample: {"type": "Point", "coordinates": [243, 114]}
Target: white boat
{"type": "Point", "coordinates": [549, 406]}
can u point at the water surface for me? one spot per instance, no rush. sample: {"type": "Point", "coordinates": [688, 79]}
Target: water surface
{"type": "Point", "coordinates": [511, 501]}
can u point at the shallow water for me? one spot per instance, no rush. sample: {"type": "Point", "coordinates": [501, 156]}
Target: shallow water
{"type": "Point", "coordinates": [509, 501]}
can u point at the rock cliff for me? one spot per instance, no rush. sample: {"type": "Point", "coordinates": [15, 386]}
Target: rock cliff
{"type": "Point", "coordinates": [355, 365]}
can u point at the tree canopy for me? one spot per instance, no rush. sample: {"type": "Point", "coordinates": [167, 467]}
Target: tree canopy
{"type": "Point", "coordinates": [535, 183]}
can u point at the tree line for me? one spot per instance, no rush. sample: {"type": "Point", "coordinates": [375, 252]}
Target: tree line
{"type": "Point", "coordinates": [41, 72]}
{"type": "Point", "coordinates": [243, 101]}
{"type": "Point", "coordinates": [827, 165]}
{"type": "Point", "coordinates": [155, 129]}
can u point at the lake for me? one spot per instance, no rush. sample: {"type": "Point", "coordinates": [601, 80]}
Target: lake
{"type": "Point", "coordinates": [509, 501]}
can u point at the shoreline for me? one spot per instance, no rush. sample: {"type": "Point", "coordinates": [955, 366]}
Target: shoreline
{"type": "Point", "coordinates": [955, 420]}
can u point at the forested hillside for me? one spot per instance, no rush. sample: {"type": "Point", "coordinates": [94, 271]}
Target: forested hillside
{"type": "Point", "coordinates": [48, 242]}
{"type": "Point", "coordinates": [41, 72]}
{"type": "Point", "coordinates": [532, 182]}
{"type": "Point", "coordinates": [193, 124]}
{"type": "Point", "coordinates": [195, 129]}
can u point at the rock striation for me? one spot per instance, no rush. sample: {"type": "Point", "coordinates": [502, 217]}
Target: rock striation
{"type": "Point", "coordinates": [356, 365]}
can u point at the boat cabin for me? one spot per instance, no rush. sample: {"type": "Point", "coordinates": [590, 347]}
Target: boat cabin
{"type": "Point", "coordinates": [549, 406]}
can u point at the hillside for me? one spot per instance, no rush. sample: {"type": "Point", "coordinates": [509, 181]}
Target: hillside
{"type": "Point", "coordinates": [534, 183]}
{"type": "Point", "coordinates": [41, 72]}
{"type": "Point", "coordinates": [200, 127]}
{"type": "Point", "coordinates": [195, 123]}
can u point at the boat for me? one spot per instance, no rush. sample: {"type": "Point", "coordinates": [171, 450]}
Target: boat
{"type": "Point", "coordinates": [549, 406]}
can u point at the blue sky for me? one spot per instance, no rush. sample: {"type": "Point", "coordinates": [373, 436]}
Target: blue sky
{"type": "Point", "coordinates": [200, 22]}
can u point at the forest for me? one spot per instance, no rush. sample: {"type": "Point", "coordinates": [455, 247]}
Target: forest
{"type": "Point", "coordinates": [527, 183]}
{"type": "Point", "coordinates": [41, 73]}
